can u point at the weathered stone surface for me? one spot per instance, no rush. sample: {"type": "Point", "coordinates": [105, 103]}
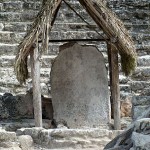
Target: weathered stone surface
{"type": "Point", "coordinates": [26, 142]}
{"type": "Point", "coordinates": [138, 110]}
{"type": "Point", "coordinates": [8, 144]}
{"type": "Point", "coordinates": [8, 140]}
{"type": "Point", "coordinates": [70, 138]}
{"type": "Point", "coordinates": [13, 125]}
{"type": "Point", "coordinates": [7, 136]}
{"type": "Point", "coordinates": [141, 141]}
{"type": "Point", "coordinates": [142, 73]}
{"type": "Point", "coordinates": [136, 136]}
{"type": "Point", "coordinates": [21, 106]}
{"type": "Point", "coordinates": [1, 26]}
{"type": "Point", "coordinates": [140, 104]}
{"type": "Point", "coordinates": [80, 87]}
{"type": "Point", "coordinates": [141, 100]}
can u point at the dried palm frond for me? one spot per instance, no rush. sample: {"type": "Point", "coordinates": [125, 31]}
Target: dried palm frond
{"type": "Point", "coordinates": [115, 30]}
{"type": "Point", "coordinates": [40, 28]}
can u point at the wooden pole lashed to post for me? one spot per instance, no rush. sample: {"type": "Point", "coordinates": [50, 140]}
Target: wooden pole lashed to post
{"type": "Point", "coordinates": [35, 74]}
{"type": "Point", "coordinates": [114, 85]}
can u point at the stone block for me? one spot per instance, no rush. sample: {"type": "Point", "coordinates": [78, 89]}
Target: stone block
{"type": "Point", "coordinates": [79, 87]}
{"type": "Point", "coordinates": [28, 15]}
{"type": "Point", "coordinates": [21, 106]}
{"type": "Point", "coordinates": [7, 61]}
{"type": "Point", "coordinates": [144, 60]}
{"type": "Point", "coordinates": [139, 86]}
{"type": "Point", "coordinates": [8, 144]}
{"type": "Point", "coordinates": [141, 141]}
{"type": "Point", "coordinates": [1, 6]}
{"type": "Point", "coordinates": [11, 37]}
{"type": "Point", "coordinates": [138, 110]}
{"type": "Point", "coordinates": [141, 100]}
{"type": "Point", "coordinates": [8, 49]}
{"type": "Point", "coordinates": [7, 136]}
{"type": "Point", "coordinates": [16, 27]}
{"type": "Point", "coordinates": [26, 142]}
{"type": "Point", "coordinates": [1, 26]}
{"type": "Point", "coordinates": [141, 73]}
{"type": "Point", "coordinates": [12, 6]}
{"type": "Point", "coordinates": [8, 16]}
{"type": "Point", "coordinates": [32, 5]}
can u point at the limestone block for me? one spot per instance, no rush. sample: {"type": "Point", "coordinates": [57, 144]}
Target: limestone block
{"type": "Point", "coordinates": [141, 141]}
{"type": "Point", "coordinates": [1, 26]}
{"type": "Point", "coordinates": [7, 136]}
{"type": "Point", "coordinates": [144, 60]}
{"type": "Point", "coordinates": [79, 87]}
{"type": "Point", "coordinates": [138, 110]}
{"type": "Point", "coordinates": [142, 73]}
{"type": "Point", "coordinates": [8, 144]}
{"type": "Point", "coordinates": [8, 49]}
{"type": "Point", "coordinates": [31, 5]}
{"type": "Point", "coordinates": [9, 16]}
{"type": "Point", "coordinates": [26, 142]}
{"type": "Point", "coordinates": [12, 6]}
{"type": "Point", "coordinates": [141, 100]}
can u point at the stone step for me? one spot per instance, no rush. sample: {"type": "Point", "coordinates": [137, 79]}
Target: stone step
{"type": "Point", "coordinates": [16, 37]}
{"type": "Point", "coordinates": [125, 88]}
{"type": "Point", "coordinates": [8, 61]}
{"type": "Point", "coordinates": [15, 90]}
{"type": "Point", "coordinates": [15, 26]}
{"type": "Point", "coordinates": [18, 16]}
{"type": "Point", "coordinates": [19, 6]}
{"type": "Point", "coordinates": [70, 138]}
{"type": "Point", "coordinates": [7, 75]}
{"type": "Point", "coordinates": [141, 73]}
{"type": "Point", "coordinates": [11, 37]}
{"type": "Point", "coordinates": [141, 87]}
{"type": "Point", "coordinates": [8, 49]}
{"type": "Point", "coordinates": [143, 60]}
{"type": "Point", "coordinates": [7, 136]}
{"type": "Point", "coordinates": [12, 49]}
{"type": "Point", "coordinates": [23, 26]}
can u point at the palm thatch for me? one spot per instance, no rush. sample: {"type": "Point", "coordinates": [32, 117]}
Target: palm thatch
{"type": "Point", "coordinates": [40, 28]}
{"type": "Point", "coordinates": [104, 18]}
{"type": "Point", "coordinates": [115, 30]}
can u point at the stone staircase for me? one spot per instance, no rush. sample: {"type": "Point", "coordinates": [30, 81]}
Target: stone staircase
{"type": "Point", "coordinates": [16, 17]}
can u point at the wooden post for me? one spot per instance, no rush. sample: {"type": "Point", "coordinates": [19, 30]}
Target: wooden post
{"type": "Point", "coordinates": [35, 74]}
{"type": "Point", "coordinates": [114, 85]}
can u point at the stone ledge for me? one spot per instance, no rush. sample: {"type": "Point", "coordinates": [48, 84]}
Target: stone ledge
{"type": "Point", "coordinates": [70, 138]}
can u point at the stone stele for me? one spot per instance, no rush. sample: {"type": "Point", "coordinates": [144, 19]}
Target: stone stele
{"type": "Point", "coordinates": [79, 87]}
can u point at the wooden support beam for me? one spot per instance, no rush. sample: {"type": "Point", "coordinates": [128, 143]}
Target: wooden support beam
{"type": "Point", "coordinates": [35, 74]}
{"type": "Point", "coordinates": [78, 40]}
{"type": "Point", "coordinates": [114, 85]}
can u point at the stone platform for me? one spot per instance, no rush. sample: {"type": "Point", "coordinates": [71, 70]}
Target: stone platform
{"type": "Point", "coordinates": [92, 138]}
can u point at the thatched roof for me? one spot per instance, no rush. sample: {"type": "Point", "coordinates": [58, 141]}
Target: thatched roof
{"type": "Point", "coordinates": [104, 18]}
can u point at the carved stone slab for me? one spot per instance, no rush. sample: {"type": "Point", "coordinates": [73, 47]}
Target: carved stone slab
{"type": "Point", "coordinates": [79, 87]}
